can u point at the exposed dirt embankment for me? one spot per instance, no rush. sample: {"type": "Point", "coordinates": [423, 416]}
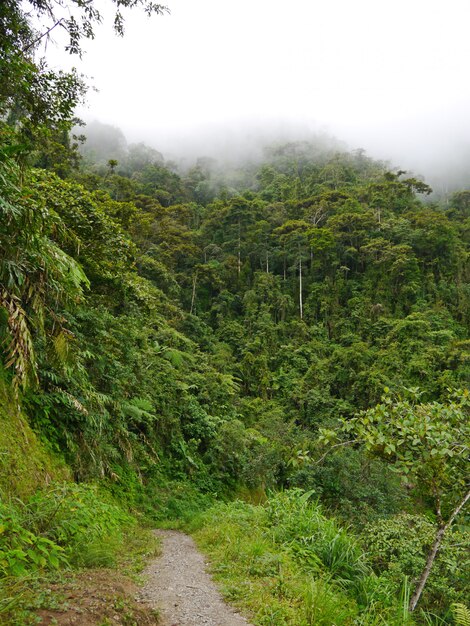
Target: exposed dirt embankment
{"type": "Point", "coordinates": [95, 598]}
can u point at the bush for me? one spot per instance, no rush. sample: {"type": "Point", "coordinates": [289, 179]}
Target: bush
{"type": "Point", "coordinates": [80, 519]}
{"type": "Point", "coordinates": [397, 547]}
{"type": "Point", "coordinates": [317, 542]}
{"type": "Point", "coordinates": [355, 487]}
{"type": "Point", "coordinates": [65, 524]}
{"type": "Point", "coordinates": [23, 551]}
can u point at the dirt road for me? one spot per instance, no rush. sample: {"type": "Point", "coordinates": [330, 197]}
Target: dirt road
{"type": "Point", "coordinates": [179, 586]}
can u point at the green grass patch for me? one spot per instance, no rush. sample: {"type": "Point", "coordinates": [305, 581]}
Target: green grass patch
{"type": "Point", "coordinates": [285, 563]}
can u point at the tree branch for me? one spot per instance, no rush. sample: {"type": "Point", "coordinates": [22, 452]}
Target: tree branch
{"type": "Point", "coordinates": [434, 550]}
{"type": "Point", "coordinates": [337, 445]}
{"type": "Point", "coordinates": [33, 43]}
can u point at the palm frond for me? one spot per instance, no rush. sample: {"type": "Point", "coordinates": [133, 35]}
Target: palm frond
{"type": "Point", "coordinates": [19, 351]}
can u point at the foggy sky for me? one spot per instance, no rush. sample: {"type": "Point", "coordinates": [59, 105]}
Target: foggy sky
{"type": "Point", "coordinates": [391, 77]}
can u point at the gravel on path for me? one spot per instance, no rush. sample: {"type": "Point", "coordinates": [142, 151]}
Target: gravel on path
{"type": "Point", "coordinates": [179, 586]}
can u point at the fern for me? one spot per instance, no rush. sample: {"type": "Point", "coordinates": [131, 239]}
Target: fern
{"type": "Point", "coordinates": [461, 614]}
{"type": "Point", "coordinates": [62, 347]}
{"type": "Point", "coordinates": [177, 358]}
{"type": "Point", "coordinates": [70, 400]}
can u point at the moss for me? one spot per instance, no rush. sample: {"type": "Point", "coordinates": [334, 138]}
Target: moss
{"type": "Point", "coordinates": [25, 463]}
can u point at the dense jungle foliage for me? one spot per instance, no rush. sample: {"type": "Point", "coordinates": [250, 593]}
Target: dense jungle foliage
{"type": "Point", "coordinates": [175, 336]}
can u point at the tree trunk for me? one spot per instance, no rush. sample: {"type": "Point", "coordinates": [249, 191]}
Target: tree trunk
{"type": "Point", "coordinates": [239, 249]}
{"type": "Point", "coordinates": [193, 297]}
{"type": "Point", "coordinates": [300, 289]}
{"type": "Point", "coordinates": [433, 552]}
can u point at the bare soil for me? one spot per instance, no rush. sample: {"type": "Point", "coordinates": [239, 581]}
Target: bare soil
{"type": "Point", "coordinates": [179, 586]}
{"type": "Point", "coordinates": [97, 598]}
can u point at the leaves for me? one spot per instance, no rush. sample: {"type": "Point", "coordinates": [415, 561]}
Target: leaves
{"type": "Point", "coordinates": [427, 442]}
{"type": "Point", "coordinates": [36, 276]}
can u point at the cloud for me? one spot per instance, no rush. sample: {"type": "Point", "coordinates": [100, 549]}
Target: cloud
{"type": "Point", "coordinates": [387, 76]}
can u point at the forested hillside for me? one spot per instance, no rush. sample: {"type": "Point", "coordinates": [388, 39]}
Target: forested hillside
{"type": "Point", "coordinates": [176, 336]}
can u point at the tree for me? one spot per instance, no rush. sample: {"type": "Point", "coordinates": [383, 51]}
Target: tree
{"type": "Point", "coordinates": [460, 205]}
{"type": "Point", "coordinates": [36, 275]}
{"type": "Point", "coordinates": [294, 235]}
{"type": "Point", "coordinates": [112, 165]}
{"type": "Point", "coordinates": [258, 236]}
{"type": "Point", "coordinates": [36, 107]}
{"type": "Point", "coordinates": [32, 96]}
{"type": "Point", "coordinates": [428, 444]}
{"type": "Point", "coordinates": [81, 19]}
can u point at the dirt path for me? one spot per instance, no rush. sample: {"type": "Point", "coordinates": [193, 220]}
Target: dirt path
{"type": "Point", "coordinates": [179, 586]}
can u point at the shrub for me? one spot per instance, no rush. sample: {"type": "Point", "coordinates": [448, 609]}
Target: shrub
{"type": "Point", "coordinates": [23, 551]}
{"type": "Point", "coordinates": [316, 541]}
{"type": "Point", "coordinates": [398, 546]}
{"type": "Point", "coordinates": [67, 523]}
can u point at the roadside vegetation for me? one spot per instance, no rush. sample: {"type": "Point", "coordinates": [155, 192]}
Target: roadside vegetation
{"type": "Point", "coordinates": [288, 563]}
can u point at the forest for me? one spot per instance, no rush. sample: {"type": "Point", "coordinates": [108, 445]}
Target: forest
{"type": "Point", "coordinates": [272, 353]}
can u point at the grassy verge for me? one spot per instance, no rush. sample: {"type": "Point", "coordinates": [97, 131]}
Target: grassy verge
{"type": "Point", "coordinates": [60, 554]}
{"type": "Point", "coordinates": [285, 563]}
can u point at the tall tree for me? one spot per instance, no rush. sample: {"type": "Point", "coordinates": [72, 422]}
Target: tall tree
{"type": "Point", "coordinates": [294, 235]}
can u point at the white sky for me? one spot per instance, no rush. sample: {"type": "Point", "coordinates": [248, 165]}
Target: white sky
{"type": "Point", "coordinates": [392, 77]}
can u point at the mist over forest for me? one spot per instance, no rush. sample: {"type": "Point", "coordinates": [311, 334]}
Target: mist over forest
{"type": "Point", "coordinates": [446, 167]}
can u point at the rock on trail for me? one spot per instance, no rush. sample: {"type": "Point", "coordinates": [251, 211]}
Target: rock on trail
{"type": "Point", "coordinates": [181, 589]}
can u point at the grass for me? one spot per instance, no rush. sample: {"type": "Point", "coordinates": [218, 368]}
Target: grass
{"type": "Point", "coordinates": [48, 541]}
{"type": "Point", "coordinates": [286, 564]}
{"type": "Point", "coordinates": [97, 588]}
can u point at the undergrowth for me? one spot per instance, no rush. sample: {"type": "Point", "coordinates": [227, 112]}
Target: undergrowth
{"type": "Point", "coordinates": [159, 499]}
{"type": "Point", "coordinates": [56, 531]}
{"type": "Point", "coordinates": [287, 564]}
